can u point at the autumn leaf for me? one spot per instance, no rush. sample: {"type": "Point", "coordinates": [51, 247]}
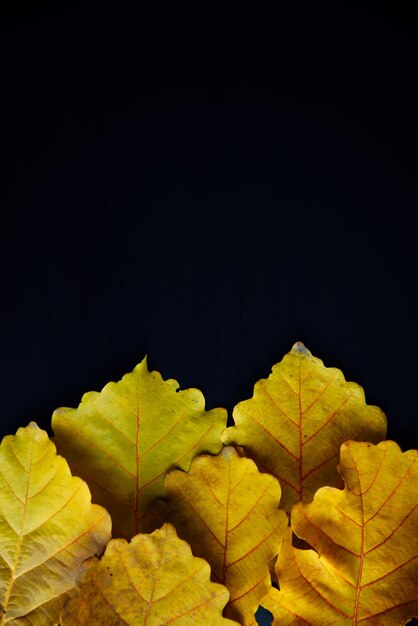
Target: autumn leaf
{"type": "Point", "coordinates": [123, 440]}
{"type": "Point", "coordinates": [296, 421]}
{"type": "Point", "coordinates": [228, 512]}
{"type": "Point", "coordinates": [48, 527]}
{"type": "Point", "coordinates": [365, 568]}
{"type": "Point", "coordinates": [153, 580]}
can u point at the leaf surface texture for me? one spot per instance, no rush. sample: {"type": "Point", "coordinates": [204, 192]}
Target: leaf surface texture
{"type": "Point", "coordinates": [296, 421]}
{"type": "Point", "coordinates": [153, 580]}
{"type": "Point", "coordinates": [364, 569]}
{"type": "Point", "coordinates": [48, 526]}
{"type": "Point", "coordinates": [123, 440]}
{"type": "Point", "coordinates": [228, 512]}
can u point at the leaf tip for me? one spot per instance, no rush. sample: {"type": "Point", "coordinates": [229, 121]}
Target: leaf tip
{"type": "Point", "coordinates": [300, 348]}
{"type": "Point", "coordinates": [143, 364]}
{"type": "Point", "coordinates": [229, 452]}
{"type": "Point", "coordinates": [34, 431]}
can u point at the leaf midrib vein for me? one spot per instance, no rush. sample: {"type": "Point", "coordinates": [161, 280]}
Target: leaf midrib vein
{"type": "Point", "coordinates": [20, 538]}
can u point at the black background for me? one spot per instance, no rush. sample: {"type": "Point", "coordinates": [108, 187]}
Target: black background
{"type": "Point", "coordinates": [207, 189]}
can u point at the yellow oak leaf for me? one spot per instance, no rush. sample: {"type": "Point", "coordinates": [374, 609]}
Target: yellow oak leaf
{"type": "Point", "coordinates": [365, 568]}
{"type": "Point", "coordinates": [228, 512]}
{"type": "Point", "coordinates": [48, 527]}
{"type": "Point", "coordinates": [123, 440]}
{"type": "Point", "coordinates": [153, 580]}
{"type": "Point", "coordinates": [296, 421]}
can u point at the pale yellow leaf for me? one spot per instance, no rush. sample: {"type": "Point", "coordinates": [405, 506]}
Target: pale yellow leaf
{"type": "Point", "coordinates": [364, 566]}
{"type": "Point", "coordinates": [153, 580]}
{"type": "Point", "coordinates": [123, 440]}
{"type": "Point", "coordinates": [229, 513]}
{"type": "Point", "coordinates": [48, 527]}
{"type": "Point", "coordinates": [296, 421]}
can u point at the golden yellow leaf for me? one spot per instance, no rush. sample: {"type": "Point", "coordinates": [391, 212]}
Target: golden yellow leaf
{"type": "Point", "coordinates": [123, 440]}
{"type": "Point", "coordinates": [48, 527]}
{"type": "Point", "coordinates": [153, 580]}
{"type": "Point", "coordinates": [365, 568]}
{"type": "Point", "coordinates": [296, 421]}
{"type": "Point", "coordinates": [228, 512]}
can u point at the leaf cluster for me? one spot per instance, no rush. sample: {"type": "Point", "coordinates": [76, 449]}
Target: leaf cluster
{"type": "Point", "coordinates": [145, 508]}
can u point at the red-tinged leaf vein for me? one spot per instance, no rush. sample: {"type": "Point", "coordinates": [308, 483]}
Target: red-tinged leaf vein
{"type": "Point", "coordinates": [63, 548]}
{"type": "Point", "coordinates": [344, 514]}
{"type": "Point", "coordinates": [285, 608]}
{"type": "Point", "coordinates": [276, 475]}
{"type": "Point", "coordinates": [362, 553]}
{"type": "Point", "coordinates": [270, 434]}
{"type": "Point", "coordinates": [154, 582]}
{"type": "Point", "coordinates": [393, 531]}
{"type": "Point", "coordinates": [379, 469]}
{"type": "Point", "coordinates": [156, 443]}
{"type": "Point", "coordinates": [112, 425]}
{"type": "Point", "coordinates": [345, 579]}
{"type": "Point", "coordinates": [39, 607]}
{"type": "Point", "coordinates": [319, 396]}
{"type": "Point", "coordinates": [94, 445]}
{"type": "Point", "coordinates": [182, 582]}
{"type": "Point", "coordinates": [128, 576]}
{"type": "Point", "coordinates": [210, 489]}
{"type": "Point", "coordinates": [195, 608]}
{"type": "Point", "coordinates": [102, 594]}
{"type": "Point", "coordinates": [247, 591]}
{"type": "Point", "coordinates": [44, 486]}
{"type": "Point", "coordinates": [391, 608]}
{"type": "Point", "coordinates": [20, 536]}
{"type": "Point", "coordinates": [178, 459]}
{"type": "Point", "coordinates": [264, 539]}
{"type": "Point", "coordinates": [117, 401]}
{"type": "Point", "coordinates": [332, 540]}
{"type": "Point", "coordinates": [145, 548]}
{"type": "Point", "coordinates": [331, 417]}
{"type": "Point", "coordinates": [25, 469]}
{"type": "Point", "coordinates": [324, 598]}
{"type": "Point", "coordinates": [90, 479]}
{"type": "Point", "coordinates": [392, 571]}
{"type": "Point", "coordinates": [241, 478]}
{"type": "Point", "coordinates": [308, 375]}
{"type": "Point", "coordinates": [40, 460]}
{"type": "Point", "coordinates": [57, 511]}
{"type": "Point", "coordinates": [11, 488]}
{"type": "Point", "coordinates": [137, 477]}
{"type": "Point", "coordinates": [224, 565]}
{"type": "Point", "coordinates": [392, 493]}
{"type": "Point", "coordinates": [290, 386]}
{"type": "Point", "coordinates": [192, 506]}
{"type": "Point", "coordinates": [300, 436]}
{"type": "Point", "coordinates": [267, 487]}
{"type": "Point", "coordinates": [276, 403]}
{"type": "Point", "coordinates": [314, 469]}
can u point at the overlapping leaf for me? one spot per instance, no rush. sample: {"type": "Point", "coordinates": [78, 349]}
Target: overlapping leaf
{"type": "Point", "coordinates": [123, 440]}
{"type": "Point", "coordinates": [365, 568]}
{"type": "Point", "coordinates": [296, 421]}
{"type": "Point", "coordinates": [48, 527]}
{"type": "Point", "coordinates": [228, 512]}
{"type": "Point", "coordinates": [153, 580]}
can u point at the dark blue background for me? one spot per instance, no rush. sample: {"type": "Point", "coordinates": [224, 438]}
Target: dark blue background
{"type": "Point", "coordinates": [207, 194]}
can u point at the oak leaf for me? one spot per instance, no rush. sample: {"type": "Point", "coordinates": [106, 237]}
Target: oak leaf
{"type": "Point", "coordinates": [123, 440]}
{"type": "Point", "coordinates": [228, 512]}
{"type": "Point", "coordinates": [153, 580]}
{"type": "Point", "coordinates": [296, 421]}
{"type": "Point", "coordinates": [365, 568]}
{"type": "Point", "coordinates": [48, 527]}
